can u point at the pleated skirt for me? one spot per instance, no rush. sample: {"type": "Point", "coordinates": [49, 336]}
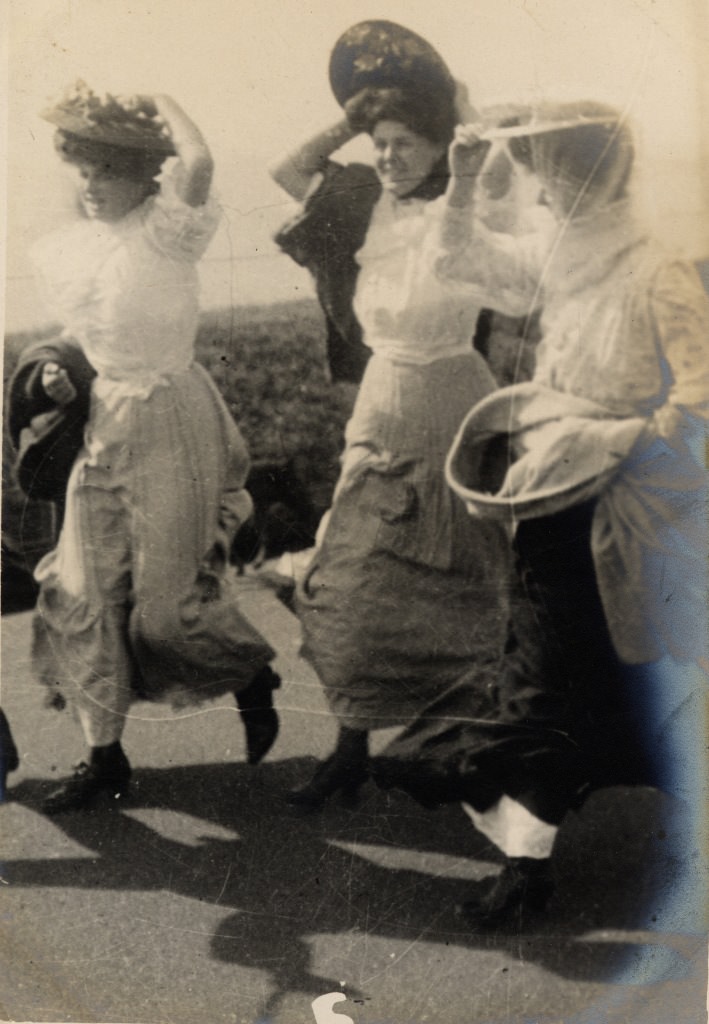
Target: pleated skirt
{"type": "Point", "coordinates": [130, 597]}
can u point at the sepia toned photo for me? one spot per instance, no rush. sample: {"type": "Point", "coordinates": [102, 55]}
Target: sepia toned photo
{"type": "Point", "coordinates": [354, 519]}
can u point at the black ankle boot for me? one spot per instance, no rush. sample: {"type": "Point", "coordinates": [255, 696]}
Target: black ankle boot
{"type": "Point", "coordinates": [344, 771]}
{"type": "Point", "coordinates": [9, 758]}
{"type": "Point", "coordinates": [258, 714]}
{"type": "Point", "coordinates": [108, 769]}
{"type": "Point", "coordinates": [524, 884]}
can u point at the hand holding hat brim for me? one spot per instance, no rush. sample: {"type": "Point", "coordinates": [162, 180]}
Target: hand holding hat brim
{"type": "Point", "coordinates": [519, 131]}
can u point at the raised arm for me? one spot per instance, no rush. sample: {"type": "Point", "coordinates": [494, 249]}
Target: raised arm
{"type": "Point", "coordinates": [192, 150]}
{"type": "Point", "coordinates": [503, 270]}
{"type": "Point", "coordinates": [466, 157]}
{"type": "Point", "coordinates": [294, 172]}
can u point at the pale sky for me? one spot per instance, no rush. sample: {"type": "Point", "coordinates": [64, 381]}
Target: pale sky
{"type": "Point", "coordinates": [253, 75]}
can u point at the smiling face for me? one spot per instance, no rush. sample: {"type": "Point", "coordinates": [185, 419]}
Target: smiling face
{"type": "Point", "coordinates": [403, 159]}
{"type": "Point", "coordinates": [109, 197]}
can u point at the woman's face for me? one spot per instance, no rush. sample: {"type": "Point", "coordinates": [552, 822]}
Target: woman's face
{"type": "Point", "coordinates": [403, 159]}
{"type": "Point", "coordinates": [509, 193]}
{"type": "Point", "coordinates": [551, 196]}
{"type": "Point", "coordinates": [510, 197]}
{"type": "Point", "coordinates": [109, 197]}
{"type": "Point", "coordinates": [497, 176]}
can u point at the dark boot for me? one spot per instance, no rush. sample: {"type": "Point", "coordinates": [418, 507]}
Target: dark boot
{"type": "Point", "coordinates": [344, 771]}
{"type": "Point", "coordinates": [9, 758]}
{"type": "Point", "coordinates": [524, 884]}
{"type": "Point", "coordinates": [258, 714]}
{"type": "Point", "coordinates": [108, 769]}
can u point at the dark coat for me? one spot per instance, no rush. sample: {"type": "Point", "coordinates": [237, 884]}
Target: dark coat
{"type": "Point", "coordinates": [324, 238]}
{"type": "Point", "coordinates": [46, 437]}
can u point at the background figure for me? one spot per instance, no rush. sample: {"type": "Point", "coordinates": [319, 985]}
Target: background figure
{"type": "Point", "coordinates": [9, 758]}
{"type": "Point", "coordinates": [134, 599]}
{"type": "Point", "coordinates": [405, 591]}
{"type": "Point", "coordinates": [603, 663]}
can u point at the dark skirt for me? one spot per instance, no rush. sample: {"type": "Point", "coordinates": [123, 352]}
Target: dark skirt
{"type": "Point", "coordinates": [561, 723]}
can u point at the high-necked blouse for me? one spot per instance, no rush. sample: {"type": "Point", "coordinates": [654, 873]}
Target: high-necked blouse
{"type": "Point", "coordinates": [128, 291]}
{"type": "Point", "coordinates": [407, 312]}
{"type": "Point", "coordinates": [624, 326]}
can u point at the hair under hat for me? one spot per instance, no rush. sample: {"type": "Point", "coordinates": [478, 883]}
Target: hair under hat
{"type": "Point", "coordinates": [380, 70]}
{"type": "Point", "coordinates": [121, 161]}
{"type": "Point", "coordinates": [432, 115]}
{"type": "Point", "coordinates": [102, 130]}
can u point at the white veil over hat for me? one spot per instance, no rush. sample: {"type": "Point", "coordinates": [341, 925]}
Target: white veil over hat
{"type": "Point", "coordinates": [582, 151]}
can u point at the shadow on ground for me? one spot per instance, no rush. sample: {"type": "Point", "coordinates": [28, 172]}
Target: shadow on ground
{"type": "Point", "coordinates": [288, 877]}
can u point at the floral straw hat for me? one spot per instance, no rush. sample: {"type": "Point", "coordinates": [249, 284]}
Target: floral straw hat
{"type": "Point", "coordinates": [105, 119]}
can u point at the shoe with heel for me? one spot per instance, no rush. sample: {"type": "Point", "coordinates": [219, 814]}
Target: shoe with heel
{"type": "Point", "coordinates": [9, 758]}
{"type": "Point", "coordinates": [107, 771]}
{"type": "Point", "coordinates": [525, 885]}
{"type": "Point", "coordinates": [258, 714]}
{"type": "Point", "coordinates": [331, 777]}
{"type": "Point", "coordinates": [344, 772]}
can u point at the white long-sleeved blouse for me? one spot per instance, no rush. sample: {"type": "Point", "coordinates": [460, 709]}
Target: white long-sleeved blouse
{"type": "Point", "coordinates": [128, 291]}
{"type": "Point", "coordinates": [622, 323]}
{"type": "Point", "coordinates": [408, 312]}
{"type": "Point", "coordinates": [626, 327]}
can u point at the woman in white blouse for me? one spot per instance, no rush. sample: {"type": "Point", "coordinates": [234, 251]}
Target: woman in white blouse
{"type": "Point", "coordinates": [604, 683]}
{"type": "Point", "coordinates": [134, 600]}
{"type": "Point", "coordinates": [405, 592]}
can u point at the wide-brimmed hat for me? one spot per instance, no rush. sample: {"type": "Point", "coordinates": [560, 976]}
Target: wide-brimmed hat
{"type": "Point", "coordinates": [541, 125]}
{"type": "Point", "coordinates": [527, 451]}
{"type": "Point", "coordinates": [103, 119]}
{"type": "Point", "coordinates": [384, 54]}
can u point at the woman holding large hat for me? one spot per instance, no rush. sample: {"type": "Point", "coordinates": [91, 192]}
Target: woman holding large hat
{"type": "Point", "coordinates": [134, 600]}
{"type": "Point", "coordinates": [604, 674]}
{"type": "Point", "coordinates": [405, 591]}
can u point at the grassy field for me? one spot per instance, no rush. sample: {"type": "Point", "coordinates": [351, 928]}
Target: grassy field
{"type": "Point", "coordinates": [269, 364]}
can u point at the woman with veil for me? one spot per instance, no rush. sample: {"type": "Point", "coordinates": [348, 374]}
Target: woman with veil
{"type": "Point", "coordinates": [605, 485]}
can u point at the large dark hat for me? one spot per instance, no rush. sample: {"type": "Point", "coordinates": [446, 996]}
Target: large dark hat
{"type": "Point", "coordinates": [105, 120]}
{"type": "Point", "coordinates": [384, 54]}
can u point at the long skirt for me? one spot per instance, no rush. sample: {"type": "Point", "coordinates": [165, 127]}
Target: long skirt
{"type": "Point", "coordinates": [565, 718]}
{"type": "Point", "coordinates": [132, 600]}
{"type": "Point", "coordinates": [405, 591]}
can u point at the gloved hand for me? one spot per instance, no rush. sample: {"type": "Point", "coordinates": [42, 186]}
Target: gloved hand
{"type": "Point", "coordinates": [57, 384]}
